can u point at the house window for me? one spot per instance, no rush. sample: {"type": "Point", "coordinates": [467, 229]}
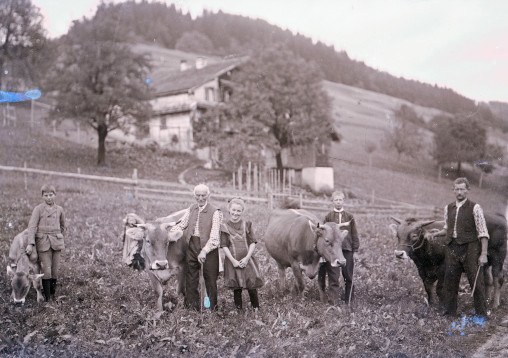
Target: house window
{"type": "Point", "coordinates": [164, 124]}
{"type": "Point", "coordinates": [210, 94]}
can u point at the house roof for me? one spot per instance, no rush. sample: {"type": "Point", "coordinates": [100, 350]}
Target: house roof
{"type": "Point", "coordinates": [182, 81]}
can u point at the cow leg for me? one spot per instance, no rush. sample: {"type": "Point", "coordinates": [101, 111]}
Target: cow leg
{"type": "Point", "coordinates": [157, 286]}
{"type": "Point", "coordinates": [431, 293]}
{"type": "Point", "coordinates": [38, 288]}
{"type": "Point", "coordinates": [498, 279]}
{"type": "Point", "coordinates": [322, 282]}
{"type": "Point", "coordinates": [282, 278]}
{"type": "Point", "coordinates": [297, 272]}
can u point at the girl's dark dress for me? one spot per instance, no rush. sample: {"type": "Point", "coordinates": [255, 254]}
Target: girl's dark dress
{"type": "Point", "coordinates": [237, 237]}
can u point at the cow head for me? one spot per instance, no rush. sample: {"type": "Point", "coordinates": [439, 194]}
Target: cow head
{"type": "Point", "coordinates": [329, 239]}
{"type": "Point", "coordinates": [155, 238]}
{"type": "Point", "coordinates": [20, 283]}
{"type": "Point", "coordinates": [410, 234]}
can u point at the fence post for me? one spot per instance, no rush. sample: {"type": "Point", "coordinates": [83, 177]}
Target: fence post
{"type": "Point", "coordinates": [240, 169]}
{"type": "Point", "coordinates": [24, 176]}
{"type": "Point", "coordinates": [256, 179]}
{"type": "Point", "coordinates": [79, 185]}
{"type": "Point", "coordinates": [234, 181]}
{"type": "Point", "coordinates": [247, 175]}
{"type": "Point", "coordinates": [135, 178]}
{"type": "Point", "coordinates": [31, 113]}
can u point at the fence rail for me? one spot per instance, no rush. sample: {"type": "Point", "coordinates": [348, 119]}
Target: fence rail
{"type": "Point", "coordinates": [151, 189]}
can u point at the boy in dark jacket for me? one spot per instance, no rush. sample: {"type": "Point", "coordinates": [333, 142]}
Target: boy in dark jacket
{"type": "Point", "coordinates": [350, 245]}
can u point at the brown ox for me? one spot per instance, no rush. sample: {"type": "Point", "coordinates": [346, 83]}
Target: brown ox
{"type": "Point", "coordinates": [162, 251]}
{"type": "Point", "coordinates": [294, 238]}
{"type": "Point", "coordinates": [415, 240]}
{"type": "Point", "coordinates": [26, 270]}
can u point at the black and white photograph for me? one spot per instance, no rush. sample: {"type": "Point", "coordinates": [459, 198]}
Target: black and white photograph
{"type": "Point", "coordinates": [220, 178]}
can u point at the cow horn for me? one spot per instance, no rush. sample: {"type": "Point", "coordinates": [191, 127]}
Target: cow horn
{"type": "Point", "coordinates": [425, 223]}
{"type": "Point", "coordinates": [398, 221]}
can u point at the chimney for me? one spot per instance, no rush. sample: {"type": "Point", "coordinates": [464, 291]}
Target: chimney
{"type": "Point", "coordinates": [183, 65]}
{"type": "Point", "coordinates": [201, 62]}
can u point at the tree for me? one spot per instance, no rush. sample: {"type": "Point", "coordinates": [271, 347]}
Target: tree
{"type": "Point", "coordinates": [194, 41]}
{"type": "Point", "coordinates": [277, 102]}
{"type": "Point", "coordinates": [404, 136]}
{"type": "Point", "coordinates": [459, 139]}
{"type": "Point", "coordinates": [100, 81]}
{"type": "Point", "coordinates": [21, 38]}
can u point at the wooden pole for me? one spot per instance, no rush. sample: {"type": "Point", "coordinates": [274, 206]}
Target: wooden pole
{"type": "Point", "coordinates": [256, 179]}
{"type": "Point", "coordinates": [79, 185]}
{"type": "Point", "coordinates": [31, 113]}
{"type": "Point", "coordinates": [283, 180]}
{"type": "Point", "coordinates": [248, 175]}
{"type": "Point", "coordinates": [481, 179]}
{"type": "Point", "coordinates": [234, 181]}
{"type": "Point", "coordinates": [25, 177]}
{"type": "Point", "coordinates": [135, 178]}
{"type": "Point", "coordinates": [240, 169]}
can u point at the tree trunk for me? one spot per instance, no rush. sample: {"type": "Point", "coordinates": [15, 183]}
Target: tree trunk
{"type": "Point", "coordinates": [278, 160]}
{"type": "Point", "coordinates": [102, 132]}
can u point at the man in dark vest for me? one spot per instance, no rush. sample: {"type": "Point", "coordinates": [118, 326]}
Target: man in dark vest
{"type": "Point", "coordinates": [201, 228]}
{"type": "Point", "coordinates": [467, 238]}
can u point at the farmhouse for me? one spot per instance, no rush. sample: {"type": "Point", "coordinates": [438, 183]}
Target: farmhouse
{"type": "Point", "coordinates": [182, 96]}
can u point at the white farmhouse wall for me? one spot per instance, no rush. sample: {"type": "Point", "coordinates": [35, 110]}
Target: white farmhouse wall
{"type": "Point", "coordinates": [160, 103]}
{"type": "Point", "coordinates": [178, 125]}
{"type": "Point", "coordinates": [200, 92]}
{"type": "Point", "coordinates": [319, 179]}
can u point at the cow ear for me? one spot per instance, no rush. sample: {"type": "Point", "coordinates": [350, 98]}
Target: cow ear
{"type": "Point", "coordinates": [175, 235]}
{"type": "Point", "coordinates": [34, 277]}
{"type": "Point", "coordinates": [393, 228]}
{"type": "Point", "coordinates": [167, 226]}
{"type": "Point", "coordinates": [10, 271]}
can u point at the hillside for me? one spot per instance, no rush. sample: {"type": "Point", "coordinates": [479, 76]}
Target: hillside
{"type": "Point", "coordinates": [222, 34]}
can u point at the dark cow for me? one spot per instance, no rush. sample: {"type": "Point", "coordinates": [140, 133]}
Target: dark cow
{"type": "Point", "coordinates": [415, 240]}
{"type": "Point", "coordinates": [294, 238]}
{"type": "Point", "coordinates": [162, 251]}
{"type": "Point", "coordinates": [23, 270]}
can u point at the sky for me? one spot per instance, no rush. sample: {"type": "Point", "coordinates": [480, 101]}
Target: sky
{"type": "Point", "coordinates": [458, 44]}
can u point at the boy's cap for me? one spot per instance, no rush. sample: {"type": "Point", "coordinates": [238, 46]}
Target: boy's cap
{"type": "Point", "coordinates": [47, 188]}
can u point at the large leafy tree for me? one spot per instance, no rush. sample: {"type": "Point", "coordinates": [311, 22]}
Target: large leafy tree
{"type": "Point", "coordinates": [21, 39]}
{"type": "Point", "coordinates": [404, 135]}
{"type": "Point", "coordinates": [100, 81]}
{"type": "Point", "coordinates": [277, 102]}
{"type": "Point", "coordinates": [459, 139]}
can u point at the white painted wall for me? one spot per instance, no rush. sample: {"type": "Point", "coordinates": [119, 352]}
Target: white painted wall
{"type": "Point", "coordinates": [318, 178]}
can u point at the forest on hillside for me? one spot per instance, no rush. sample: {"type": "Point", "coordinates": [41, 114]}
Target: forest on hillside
{"type": "Point", "coordinates": [224, 34]}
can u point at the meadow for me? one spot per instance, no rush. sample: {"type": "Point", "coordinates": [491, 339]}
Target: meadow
{"type": "Point", "coordinates": [104, 309]}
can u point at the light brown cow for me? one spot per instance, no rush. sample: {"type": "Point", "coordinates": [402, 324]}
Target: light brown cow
{"type": "Point", "coordinates": [294, 238]}
{"type": "Point", "coordinates": [162, 251]}
{"type": "Point", "coordinates": [23, 270]}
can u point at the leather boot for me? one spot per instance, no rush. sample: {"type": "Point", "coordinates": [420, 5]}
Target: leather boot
{"type": "Point", "coordinates": [46, 288]}
{"type": "Point", "coordinates": [52, 288]}
{"type": "Point", "coordinates": [237, 296]}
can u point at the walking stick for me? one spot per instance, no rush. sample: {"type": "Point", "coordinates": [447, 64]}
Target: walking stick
{"type": "Point", "coordinates": [352, 284]}
{"type": "Point", "coordinates": [476, 278]}
{"type": "Point", "coordinates": [206, 301]}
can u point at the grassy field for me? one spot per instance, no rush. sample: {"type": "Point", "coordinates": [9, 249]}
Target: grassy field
{"type": "Point", "coordinates": [104, 309]}
{"type": "Point", "coordinates": [107, 310]}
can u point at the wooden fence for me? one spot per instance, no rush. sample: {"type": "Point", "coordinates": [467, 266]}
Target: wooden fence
{"type": "Point", "coordinates": [154, 190]}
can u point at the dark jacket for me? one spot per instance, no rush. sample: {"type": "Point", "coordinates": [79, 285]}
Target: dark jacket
{"type": "Point", "coordinates": [351, 242]}
{"type": "Point", "coordinates": [466, 226]}
{"type": "Point", "coordinates": [46, 227]}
